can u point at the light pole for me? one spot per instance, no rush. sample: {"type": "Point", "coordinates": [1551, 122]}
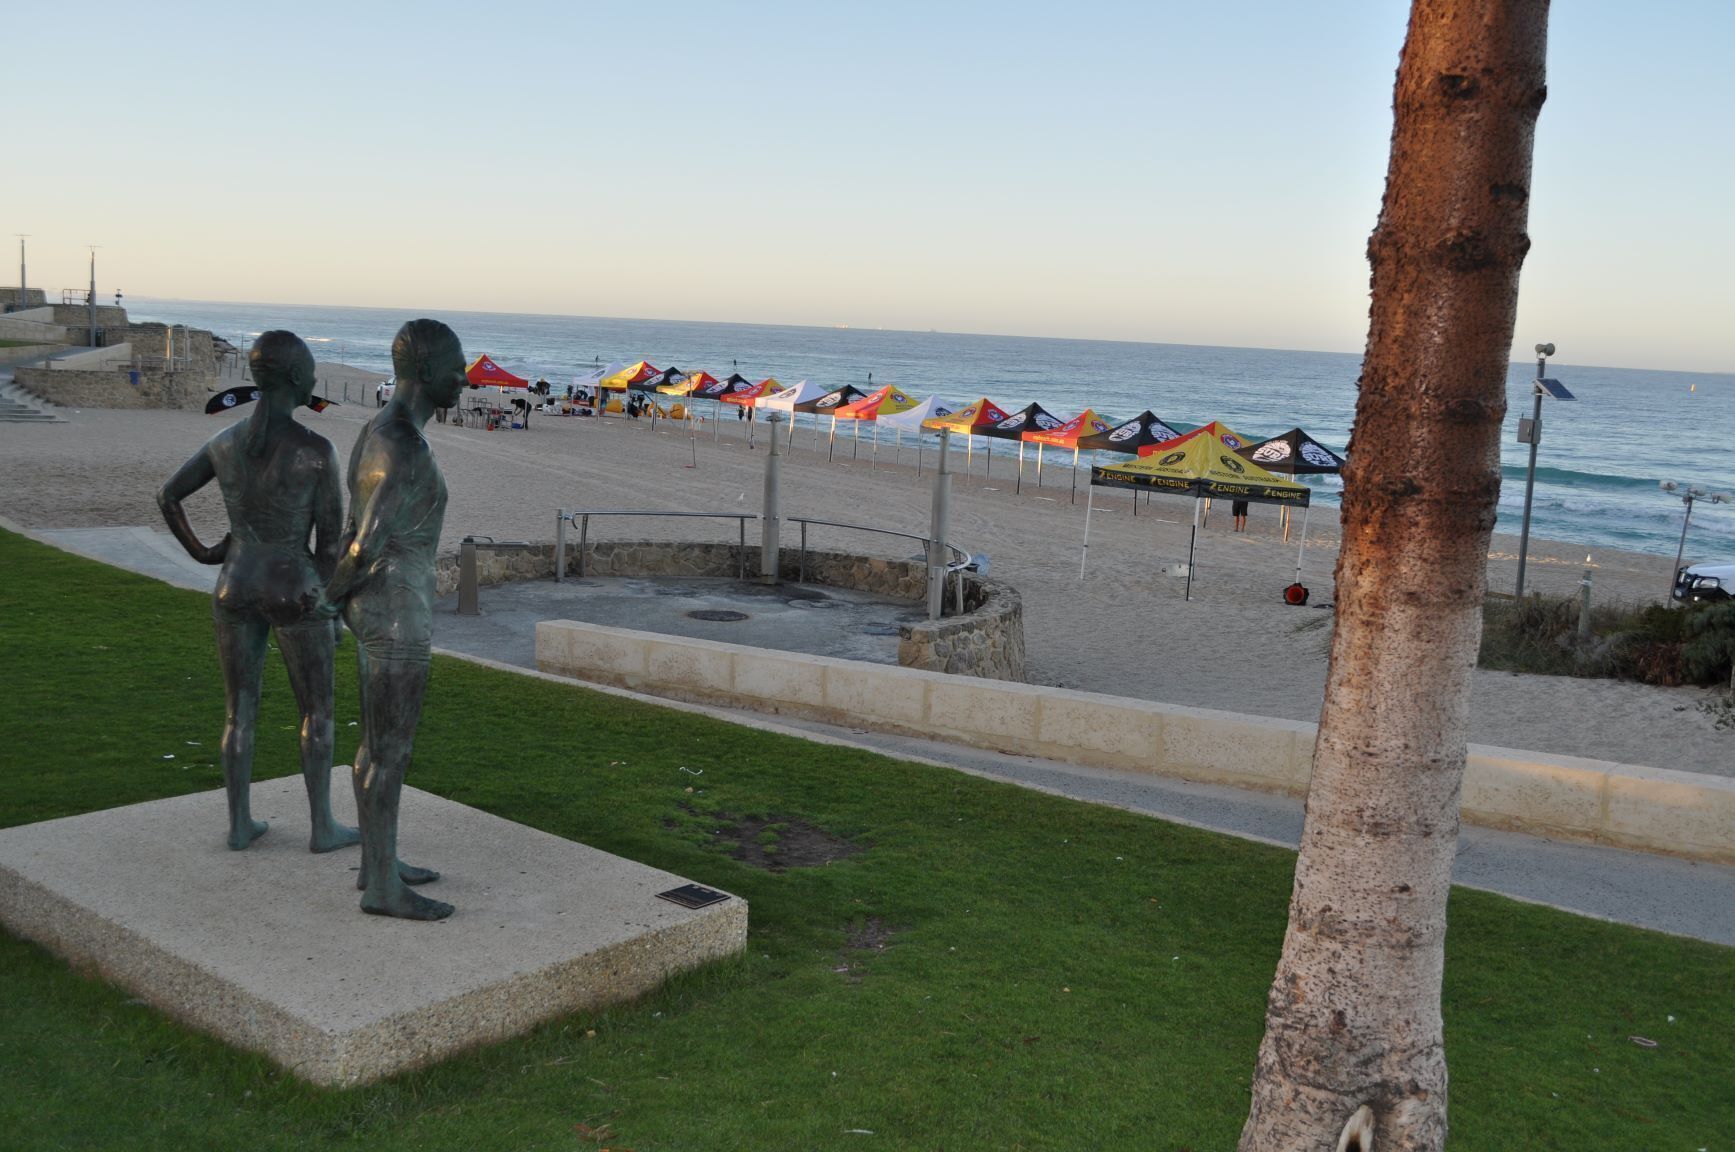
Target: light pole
{"type": "Point", "coordinates": [90, 298]}
{"type": "Point", "coordinates": [1689, 493]}
{"type": "Point", "coordinates": [1530, 432]}
{"type": "Point", "coordinates": [23, 296]}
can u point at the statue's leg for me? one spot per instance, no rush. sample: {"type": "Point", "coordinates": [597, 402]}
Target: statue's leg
{"type": "Point", "coordinates": [392, 704]}
{"type": "Point", "coordinates": [308, 651]}
{"type": "Point", "coordinates": [241, 640]}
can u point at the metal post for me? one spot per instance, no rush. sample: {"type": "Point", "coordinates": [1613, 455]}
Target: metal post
{"type": "Point", "coordinates": [1530, 475]}
{"type": "Point", "coordinates": [1681, 548]}
{"type": "Point", "coordinates": [770, 514]}
{"type": "Point", "coordinates": [560, 546]}
{"type": "Point", "coordinates": [801, 566]}
{"type": "Point", "coordinates": [741, 549]}
{"type": "Point", "coordinates": [90, 300]}
{"type": "Point", "coordinates": [1584, 602]}
{"type": "Point", "coordinates": [583, 535]}
{"type": "Point", "coordinates": [942, 514]}
{"type": "Point", "coordinates": [467, 605]}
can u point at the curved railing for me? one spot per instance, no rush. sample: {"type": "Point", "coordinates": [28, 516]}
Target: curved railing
{"type": "Point", "coordinates": [580, 518]}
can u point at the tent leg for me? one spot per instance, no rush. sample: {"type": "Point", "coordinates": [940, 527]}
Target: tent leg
{"type": "Point", "coordinates": [1019, 485]}
{"type": "Point", "coordinates": [831, 442]}
{"type": "Point", "coordinates": [1039, 448]}
{"type": "Point", "coordinates": [1303, 547]}
{"type": "Point", "coordinates": [1084, 553]}
{"type": "Point", "coordinates": [897, 445]}
{"type": "Point", "coordinates": [1192, 541]}
{"type": "Point", "coordinates": [1075, 475]}
{"type": "Point", "coordinates": [855, 442]}
{"type": "Point", "coordinates": [876, 453]}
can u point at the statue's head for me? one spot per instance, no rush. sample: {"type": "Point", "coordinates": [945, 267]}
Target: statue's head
{"type": "Point", "coordinates": [281, 361]}
{"type": "Point", "coordinates": [426, 356]}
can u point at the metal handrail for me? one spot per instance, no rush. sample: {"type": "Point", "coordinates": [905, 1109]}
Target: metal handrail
{"type": "Point", "coordinates": [960, 558]}
{"type": "Point", "coordinates": [582, 520]}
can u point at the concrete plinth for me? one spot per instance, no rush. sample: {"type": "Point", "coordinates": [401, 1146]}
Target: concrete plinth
{"type": "Point", "coordinates": [267, 949]}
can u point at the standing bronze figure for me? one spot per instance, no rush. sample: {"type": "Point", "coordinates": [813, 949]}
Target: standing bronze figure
{"type": "Point", "coordinates": [384, 583]}
{"type": "Point", "coordinates": [279, 483]}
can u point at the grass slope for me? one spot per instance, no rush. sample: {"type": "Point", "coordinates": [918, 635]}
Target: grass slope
{"type": "Point", "coordinates": [1059, 976]}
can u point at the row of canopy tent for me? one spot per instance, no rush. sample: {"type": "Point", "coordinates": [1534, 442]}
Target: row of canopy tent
{"type": "Point", "coordinates": [1211, 461]}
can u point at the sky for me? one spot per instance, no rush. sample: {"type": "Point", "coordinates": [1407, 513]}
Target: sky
{"type": "Point", "coordinates": [1181, 173]}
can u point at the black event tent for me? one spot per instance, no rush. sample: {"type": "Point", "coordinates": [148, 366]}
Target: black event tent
{"type": "Point", "coordinates": [1142, 431]}
{"type": "Point", "coordinates": [1030, 418]}
{"type": "Point", "coordinates": [1294, 453]}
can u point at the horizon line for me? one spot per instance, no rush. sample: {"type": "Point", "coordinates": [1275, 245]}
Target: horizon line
{"type": "Point", "coordinates": [899, 331]}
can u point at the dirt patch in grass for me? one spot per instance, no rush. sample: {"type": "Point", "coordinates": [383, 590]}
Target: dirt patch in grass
{"type": "Point", "coordinates": [776, 844]}
{"type": "Point", "coordinates": [871, 935]}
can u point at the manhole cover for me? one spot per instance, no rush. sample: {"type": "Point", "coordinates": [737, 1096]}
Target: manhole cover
{"type": "Point", "coordinates": [724, 614]}
{"type": "Point", "coordinates": [881, 630]}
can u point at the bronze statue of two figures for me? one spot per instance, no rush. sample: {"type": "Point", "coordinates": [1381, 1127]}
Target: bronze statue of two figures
{"type": "Point", "coordinates": [292, 564]}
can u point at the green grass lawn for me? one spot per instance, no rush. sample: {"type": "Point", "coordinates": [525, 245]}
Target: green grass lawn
{"type": "Point", "coordinates": [1058, 976]}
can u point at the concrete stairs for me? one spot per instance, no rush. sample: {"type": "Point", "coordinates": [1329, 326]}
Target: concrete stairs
{"type": "Point", "coordinates": [19, 407]}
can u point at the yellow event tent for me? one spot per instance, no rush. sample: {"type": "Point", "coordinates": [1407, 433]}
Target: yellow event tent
{"type": "Point", "coordinates": [970, 420]}
{"type": "Point", "coordinates": [1198, 465]}
{"type": "Point", "coordinates": [884, 401]}
{"type": "Point", "coordinates": [631, 374]}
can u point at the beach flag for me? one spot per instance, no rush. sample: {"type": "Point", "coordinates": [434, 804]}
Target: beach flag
{"type": "Point", "coordinates": [484, 373]}
{"type": "Point", "coordinates": [1131, 436]}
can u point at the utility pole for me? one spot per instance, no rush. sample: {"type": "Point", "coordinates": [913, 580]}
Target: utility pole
{"type": "Point", "coordinates": [23, 296]}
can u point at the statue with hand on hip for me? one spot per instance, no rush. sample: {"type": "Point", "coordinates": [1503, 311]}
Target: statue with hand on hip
{"type": "Point", "coordinates": [280, 485]}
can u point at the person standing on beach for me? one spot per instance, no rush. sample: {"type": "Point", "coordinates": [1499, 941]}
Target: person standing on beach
{"type": "Point", "coordinates": [1238, 509]}
{"type": "Point", "coordinates": [384, 586]}
{"type": "Point", "coordinates": [279, 484]}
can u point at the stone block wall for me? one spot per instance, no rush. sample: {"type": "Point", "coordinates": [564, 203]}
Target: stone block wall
{"type": "Point", "coordinates": [986, 640]}
{"type": "Point", "coordinates": [15, 328]}
{"type": "Point", "coordinates": [111, 388]}
{"type": "Point", "coordinates": [33, 298]}
{"type": "Point", "coordinates": [29, 352]}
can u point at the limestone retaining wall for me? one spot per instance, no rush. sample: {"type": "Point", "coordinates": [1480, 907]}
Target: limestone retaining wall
{"type": "Point", "coordinates": [29, 352]}
{"type": "Point", "coordinates": [986, 640]}
{"type": "Point", "coordinates": [113, 388]}
{"type": "Point", "coordinates": [1652, 809]}
{"type": "Point", "coordinates": [20, 327]}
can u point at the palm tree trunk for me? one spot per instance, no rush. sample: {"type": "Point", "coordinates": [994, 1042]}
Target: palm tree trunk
{"type": "Point", "coordinates": [1353, 1017]}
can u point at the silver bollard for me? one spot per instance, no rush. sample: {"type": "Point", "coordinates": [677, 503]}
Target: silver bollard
{"type": "Point", "coordinates": [1584, 602]}
{"type": "Point", "coordinates": [942, 515]}
{"type": "Point", "coordinates": [770, 514]}
{"type": "Point", "coordinates": [560, 546]}
{"type": "Point", "coordinates": [467, 601]}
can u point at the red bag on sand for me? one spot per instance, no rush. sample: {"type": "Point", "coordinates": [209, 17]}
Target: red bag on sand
{"type": "Point", "coordinates": [1295, 594]}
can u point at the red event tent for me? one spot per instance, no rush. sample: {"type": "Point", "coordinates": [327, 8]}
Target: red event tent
{"type": "Point", "coordinates": [484, 373]}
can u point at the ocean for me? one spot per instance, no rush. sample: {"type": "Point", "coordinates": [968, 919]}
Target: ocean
{"type": "Point", "coordinates": [1601, 459]}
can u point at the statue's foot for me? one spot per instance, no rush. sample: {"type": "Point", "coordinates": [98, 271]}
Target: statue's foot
{"type": "Point", "coordinates": [408, 873]}
{"type": "Point", "coordinates": [330, 836]}
{"type": "Point", "coordinates": [243, 834]}
{"type": "Point", "coordinates": [405, 905]}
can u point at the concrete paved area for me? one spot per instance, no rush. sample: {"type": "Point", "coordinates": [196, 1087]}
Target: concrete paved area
{"type": "Point", "coordinates": [1679, 896]}
{"type": "Point", "coordinates": [791, 618]}
{"type": "Point", "coordinates": [267, 950]}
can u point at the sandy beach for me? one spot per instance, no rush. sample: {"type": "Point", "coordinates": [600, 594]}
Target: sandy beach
{"type": "Point", "coordinates": [1125, 629]}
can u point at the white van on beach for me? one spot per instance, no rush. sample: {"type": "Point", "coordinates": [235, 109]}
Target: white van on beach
{"type": "Point", "coordinates": [383, 391]}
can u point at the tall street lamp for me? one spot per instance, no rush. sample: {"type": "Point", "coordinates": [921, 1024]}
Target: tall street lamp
{"type": "Point", "coordinates": [1530, 432]}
